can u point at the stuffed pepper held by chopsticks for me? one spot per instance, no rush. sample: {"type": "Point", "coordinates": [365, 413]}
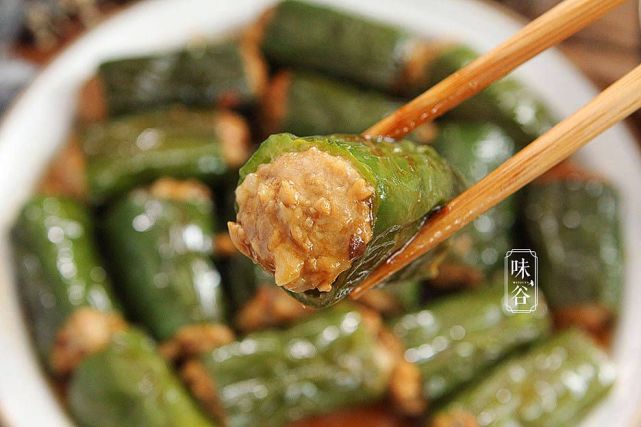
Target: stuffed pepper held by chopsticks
{"type": "Point", "coordinates": [62, 281]}
{"type": "Point", "coordinates": [322, 212]}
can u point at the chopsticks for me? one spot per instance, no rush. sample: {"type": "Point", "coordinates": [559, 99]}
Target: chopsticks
{"type": "Point", "coordinates": [547, 30]}
{"type": "Point", "coordinates": [611, 106]}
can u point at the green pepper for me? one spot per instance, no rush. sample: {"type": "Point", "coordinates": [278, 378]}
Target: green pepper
{"type": "Point", "coordinates": [456, 339]}
{"type": "Point", "coordinates": [134, 150]}
{"type": "Point", "coordinates": [475, 149]}
{"type": "Point", "coordinates": [309, 104]}
{"type": "Point", "coordinates": [226, 74]}
{"type": "Point", "coordinates": [573, 221]}
{"type": "Point", "coordinates": [62, 279]}
{"type": "Point", "coordinates": [306, 103]}
{"type": "Point", "coordinates": [552, 385]}
{"type": "Point", "coordinates": [160, 247]}
{"type": "Point", "coordinates": [329, 361]}
{"type": "Point", "coordinates": [409, 182]}
{"type": "Point", "coordinates": [394, 298]}
{"type": "Point", "coordinates": [507, 102]}
{"type": "Point", "coordinates": [300, 33]}
{"type": "Point", "coordinates": [129, 384]}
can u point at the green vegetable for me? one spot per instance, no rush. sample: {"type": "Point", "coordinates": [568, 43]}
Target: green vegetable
{"type": "Point", "coordinates": [134, 150]}
{"type": "Point", "coordinates": [129, 384]}
{"type": "Point", "coordinates": [508, 103]}
{"type": "Point", "coordinates": [58, 266]}
{"type": "Point", "coordinates": [242, 279]}
{"type": "Point", "coordinates": [317, 105]}
{"type": "Point", "coordinates": [309, 35]}
{"type": "Point", "coordinates": [306, 103]}
{"type": "Point", "coordinates": [550, 386]}
{"type": "Point", "coordinates": [573, 222]}
{"type": "Point", "coordinates": [161, 249]}
{"type": "Point", "coordinates": [394, 298]}
{"type": "Point", "coordinates": [475, 149]}
{"type": "Point", "coordinates": [410, 181]}
{"type": "Point", "coordinates": [456, 339]}
{"type": "Point", "coordinates": [331, 360]}
{"type": "Point", "coordinates": [203, 76]}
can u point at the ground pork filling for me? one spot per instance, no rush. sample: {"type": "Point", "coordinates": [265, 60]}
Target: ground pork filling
{"type": "Point", "coordinates": [305, 216]}
{"type": "Point", "coordinates": [85, 332]}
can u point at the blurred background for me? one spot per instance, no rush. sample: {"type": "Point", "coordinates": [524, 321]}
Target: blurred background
{"type": "Point", "coordinates": [33, 31]}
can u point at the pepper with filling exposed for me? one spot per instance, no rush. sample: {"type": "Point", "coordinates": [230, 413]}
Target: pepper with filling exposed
{"type": "Point", "coordinates": [160, 242]}
{"type": "Point", "coordinates": [63, 282]}
{"type": "Point", "coordinates": [134, 150]}
{"type": "Point", "coordinates": [322, 212]}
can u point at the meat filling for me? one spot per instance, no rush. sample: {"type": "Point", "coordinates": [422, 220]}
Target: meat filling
{"type": "Point", "coordinates": [305, 217]}
{"type": "Point", "coordinates": [192, 340]}
{"type": "Point", "coordinates": [85, 332]}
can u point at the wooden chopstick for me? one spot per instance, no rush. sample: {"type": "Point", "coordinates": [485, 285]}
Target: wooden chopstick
{"type": "Point", "coordinates": [609, 107]}
{"type": "Point", "coordinates": [549, 29]}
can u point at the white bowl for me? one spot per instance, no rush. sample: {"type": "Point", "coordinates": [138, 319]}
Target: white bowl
{"type": "Point", "coordinates": [37, 124]}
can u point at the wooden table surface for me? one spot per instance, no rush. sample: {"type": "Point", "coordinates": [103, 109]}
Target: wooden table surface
{"type": "Point", "coordinates": [605, 51]}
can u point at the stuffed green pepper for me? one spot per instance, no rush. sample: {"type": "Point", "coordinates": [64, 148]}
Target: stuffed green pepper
{"type": "Point", "coordinates": [394, 298]}
{"type": "Point", "coordinates": [475, 149]}
{"type": "Point", "coordinates": [136, 149]}
{"type": "Point", "coordinates": [224, 74]}
{"type": "Point", "coordinates": [370, 53]}
{"type": "Point", "coordinates": [573, 220]}
{"type": "Point", "coordinates": [160, 243]}
{"type": "Point", "coordinates": [507, 102]}
{"type": "Point", "coordinates": [306, 103]}
{"type": "Point", "coordinates": [129, 384]}
{"type": "Point", "coordinates": [552, 385]}
{"type": "Point", "coordinates": [306, 34]}
{"type": "Point", "coordinates": [456, 339]}
{"type": "Point", "coordinates": [333, 359]}
{"type": "Point", "coordinates": [322, 212]}
{"type": "Point", "coordinates": [63, 282]}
